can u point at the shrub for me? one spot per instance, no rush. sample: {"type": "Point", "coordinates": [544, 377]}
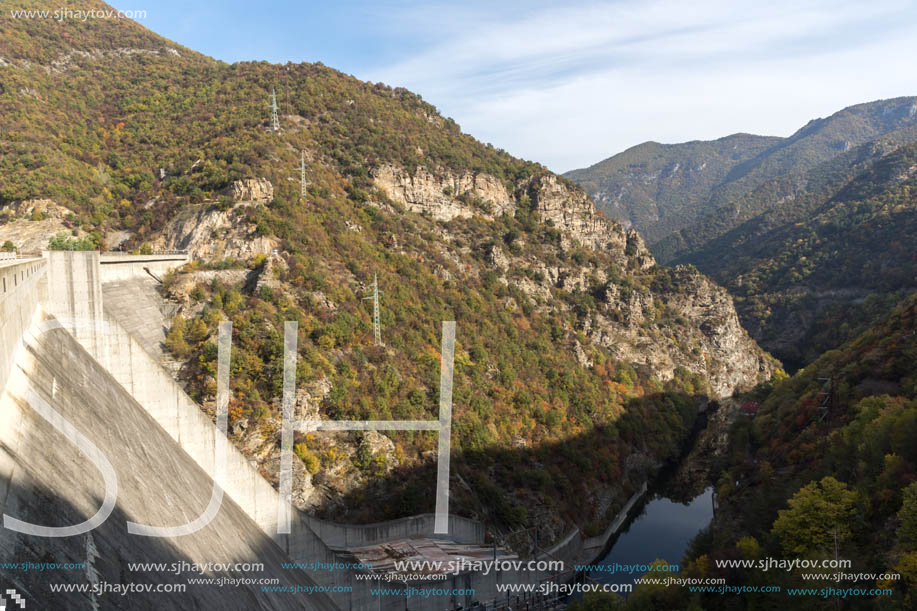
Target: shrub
{"type": "Point", "coordinates": [175, 340]}
{"type": "Point", "coordinates": [309, 459]}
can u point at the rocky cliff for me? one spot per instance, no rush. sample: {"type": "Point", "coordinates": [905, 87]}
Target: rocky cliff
{"type": "Point", "coordinates": [28, 225]}
{"type": "Point", "coordinates": [707, 340]}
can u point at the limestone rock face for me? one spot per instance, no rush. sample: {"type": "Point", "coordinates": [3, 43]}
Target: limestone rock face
{"type": "Point", "coordinates": [309, 398]}
{"type": "Point", "coordinates": [179, 290]}
{"type": "Point", "coordinates": [377, 443]}
{"type": "Point", "coordinates": [31, 223]}
{"type": "Point", "coordinates": [258, 190]}
{"type": "Point", "coordinates": [572, 211]}
{"type": "Point", "coordinates": [209, 233]}
{"type": "Point", "coordinates": [29, 207]}
{"type": "Point", "coordinates": [441, 196]}
{"type": "Point", "coordinates": [266, 276]}
{"type": "Point", "coordinates": [710, 343]}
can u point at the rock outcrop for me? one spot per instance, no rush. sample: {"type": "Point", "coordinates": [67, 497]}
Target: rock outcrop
{"type": "Point", "coordinates": [30, 224]}
{"type": "Point", "coordinates": [571, 211]}
{"type": "Point", "coordinates": [257, 190]}
{"type": "Point", "coordinates": [207, 232]}
{"type": "Point", "coordinates": [710, 343]}
{"type": "Point", "coordinates": [441, 196]}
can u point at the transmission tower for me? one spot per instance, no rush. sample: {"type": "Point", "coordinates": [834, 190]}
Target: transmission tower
{"type": "Point", "coordinates": [377, 331]}
{"type": "Point", "coordinates": [828, 397]}
{"type": "Point", "coordinates": [275, 121]}
{"type": "Point", "coordinates": [302, 172]}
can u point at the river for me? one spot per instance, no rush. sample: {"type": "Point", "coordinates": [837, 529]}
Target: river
{"type": "Point", "coordinates": [662, 530]}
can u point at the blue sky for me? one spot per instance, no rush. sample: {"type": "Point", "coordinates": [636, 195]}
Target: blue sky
{"type": "Point", "coordinates": [571, 83]}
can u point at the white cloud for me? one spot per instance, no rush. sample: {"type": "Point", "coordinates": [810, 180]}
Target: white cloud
{"type": "Point", "coordinates": [570, 86]}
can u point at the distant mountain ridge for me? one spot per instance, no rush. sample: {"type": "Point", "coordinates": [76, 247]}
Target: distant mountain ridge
{"type": "Point", "coordinates": [791, 195]}
{"type": "Point", "coordinates": [661, 189]}
{"type": "Point", "coordinates": [812, 271]}
{"type": "Point", "coordinates": [651, 185]}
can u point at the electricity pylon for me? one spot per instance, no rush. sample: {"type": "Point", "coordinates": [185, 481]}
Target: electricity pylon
{"type": "Point", "coordinates": [275, 121]}
{"type": "Point", "coordinates": [377, 331]}
{"type": "Point", "coordinates": [302, 172]}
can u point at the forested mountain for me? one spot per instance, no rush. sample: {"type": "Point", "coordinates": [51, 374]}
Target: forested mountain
{"type": "Point", "coordinates": [816, 268]}
{"type": "Point", "coordinates": [657, 188]}
{"type": "Point", "coordinates": [790, 197]}
{"type": "Point", "coordinates": [829, 454]}
{"type": "Point", "coordinates": [661, 189]}
{"type": "Point", "coordinates": [567, 330]}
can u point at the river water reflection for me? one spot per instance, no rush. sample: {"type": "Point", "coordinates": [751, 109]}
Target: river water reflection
{"type": "Point", "coordinates": [662, 530]}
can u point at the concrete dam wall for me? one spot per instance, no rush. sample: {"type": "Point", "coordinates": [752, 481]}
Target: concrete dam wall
{"type": "Point", "coordinates": [169, 444]}
{"type": "Point", "coordinates": [46, 480]}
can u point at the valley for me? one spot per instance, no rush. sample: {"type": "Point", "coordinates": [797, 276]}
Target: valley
{"type": "Point", "coordinates": [700, 352]}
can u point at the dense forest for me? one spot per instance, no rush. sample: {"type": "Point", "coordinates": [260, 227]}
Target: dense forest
{"type": "Point", "coordinates": [124, 127]}
{"type": "Point", "coordinates": [659, 188]}
{"type": "Point", "coordinates": [816, 269]}
{"type": "Point", "coordinates": [519, 383]}
{"type": "Point", "coordinates": [831, 451]}
{"type": "Point", "coordinates": [826, 468]}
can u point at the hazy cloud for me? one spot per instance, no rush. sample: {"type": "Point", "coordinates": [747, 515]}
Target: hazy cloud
{"type": "Point", "coordinates": [571, 85]}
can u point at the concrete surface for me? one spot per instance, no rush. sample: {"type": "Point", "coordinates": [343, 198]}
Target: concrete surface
{"type": "Point", "coordinates": [124, 267]}
{"type": "Point", "coordinates": [22, 287]}
{"type": "Point", "coordinates": [46, 480]}
{"type": "Point", "coordinates": [136, 304]}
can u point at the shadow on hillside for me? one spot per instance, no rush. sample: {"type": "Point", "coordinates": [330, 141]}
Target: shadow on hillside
{"type": "Point", "coordinates": [583, 479]}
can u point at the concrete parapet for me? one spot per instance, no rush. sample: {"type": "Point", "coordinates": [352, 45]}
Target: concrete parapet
{"type": "Point", "coordinates": [348, 536]}
{"type": "Point", "coordinates": [124, 267]}
{"type": "Point", "coordinates": [22, 288]}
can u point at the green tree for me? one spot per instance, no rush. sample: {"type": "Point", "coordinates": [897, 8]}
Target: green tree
{"type": "Point", "coordinates": [62, 241]}
{"type": "Point", "coordinates": [309, 459]}
{"type": "Point", "coordinates": [175, 340]}
{"type": "Point", "coordinates": [8, 247]}
{"type": "Point", "coordinates": [198, 331]}
{"type": "Point", "coordinates": [907, 516]}
{"type": "Point", "coordinates": [817, 512]}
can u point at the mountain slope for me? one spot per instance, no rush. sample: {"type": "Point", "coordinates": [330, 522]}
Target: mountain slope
{"type": "Point", "coordinates": [665, 190]}
{"type": "Point", "coordinates": [564, 320]}
{"type": "Point", "coordinates": [840, 432]}
{"type": "Point", "coordinates": [792, 196]}
{"type": "Point", "coordinates": [657, 188]}
{"type": "Point", "coordinates": [814, 270]}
